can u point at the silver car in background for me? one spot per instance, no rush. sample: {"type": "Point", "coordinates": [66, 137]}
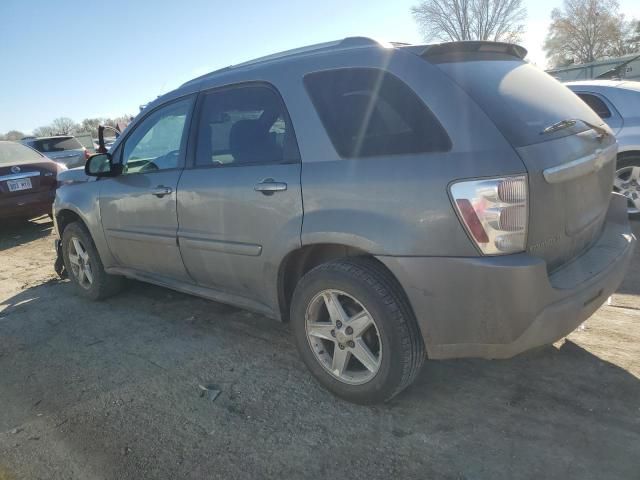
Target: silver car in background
{"type": "Point", "coordinates": [617, 102]}
{"type": "Point", "coordinates": [64, 149]}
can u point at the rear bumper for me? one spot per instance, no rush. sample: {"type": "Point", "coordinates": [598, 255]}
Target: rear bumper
{"type": "Point", "coordinates": [27, 206]}
{"type": "Point", "coordinates": [497, 307]}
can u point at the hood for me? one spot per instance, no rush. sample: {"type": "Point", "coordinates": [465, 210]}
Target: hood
{"type": "Point", "coordinates": [74, 175]}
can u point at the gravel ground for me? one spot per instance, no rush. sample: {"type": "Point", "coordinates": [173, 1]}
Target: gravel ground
{"type": "Point", "coordinates": [111, 391]}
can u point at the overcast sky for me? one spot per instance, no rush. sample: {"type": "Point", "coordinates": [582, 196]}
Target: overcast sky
{"type": "Point", "coordinates": [87, 59]}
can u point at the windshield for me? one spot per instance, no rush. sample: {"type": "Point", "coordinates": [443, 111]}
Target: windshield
{"type": "Point", "coordinates": [57, 144]}
{"type": "Point", "coordinates": [11, 153]}
{"type": "Point", "coordinates": [521, 99]}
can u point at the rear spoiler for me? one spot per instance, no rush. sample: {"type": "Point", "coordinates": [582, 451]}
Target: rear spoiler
{"type": "Point", "coordinates": [453, 50]}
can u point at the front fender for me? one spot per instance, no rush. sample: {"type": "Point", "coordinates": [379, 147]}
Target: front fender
{"type": "Point", "coordinates": [81, 199]}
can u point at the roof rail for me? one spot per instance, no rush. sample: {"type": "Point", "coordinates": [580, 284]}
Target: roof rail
{"type": "Point", "coordinates": [345, 43]}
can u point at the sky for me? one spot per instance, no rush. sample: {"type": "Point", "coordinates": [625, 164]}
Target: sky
{"type": "Point", "coordinates": [82, 59]}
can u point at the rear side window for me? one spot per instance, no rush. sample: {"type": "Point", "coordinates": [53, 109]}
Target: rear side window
{"type": "Point", "coordinates": [596, 104]}
{"type": "Point", "coordinates": [369, 112]}
{"type": "Point", "coordinates": [58, 144]}
{"type": "Point", "coordinates": [245, 125]}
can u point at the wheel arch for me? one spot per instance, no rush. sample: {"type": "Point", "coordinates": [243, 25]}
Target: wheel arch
{"type": "Point", "coordinates": [633, 151]}
{"type": "Point", "coordinates": [65, 217]}
{"type": "Point", "coordinates": [301, 260]}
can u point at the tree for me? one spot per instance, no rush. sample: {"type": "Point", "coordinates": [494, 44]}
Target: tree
{"type": "Point", "coordinates": [44, 131]}
{"type": "Point", "coordinates": [91, 125]}
{"type": "Point", "coordinates": [586, 30]}
{"type": "Point", "coordinates": [64, 126]}
{"type": "Point", "coordinates": [456, 20]}
{"type": "Point", "coordinates": [13, 135]}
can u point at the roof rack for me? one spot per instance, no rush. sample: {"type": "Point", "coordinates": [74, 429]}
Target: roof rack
{"type": "Point", "coordinates": [345, 43]}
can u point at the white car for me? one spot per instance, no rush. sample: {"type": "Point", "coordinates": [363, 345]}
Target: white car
{"type": "Point", "coordinates": [618, 104]}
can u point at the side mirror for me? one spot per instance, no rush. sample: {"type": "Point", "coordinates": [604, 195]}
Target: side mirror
{"type": "Point", "coordinates": [101, 165]}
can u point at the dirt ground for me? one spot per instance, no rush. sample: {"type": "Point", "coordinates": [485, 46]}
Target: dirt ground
{"type": "Point", "coordinates": [111, 391]}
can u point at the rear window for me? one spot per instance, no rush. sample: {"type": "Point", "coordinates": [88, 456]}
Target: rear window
{"type": "Point", "coordinates": [519, 98]}
{"type": "Point", "coordinates": [596, 104]}
{"type": "Point", "coordinates": [58, 144]}
{"type": "Point", "coordinates": [11, 153]}
{"type": "Point", "coordinates": [369, 112]}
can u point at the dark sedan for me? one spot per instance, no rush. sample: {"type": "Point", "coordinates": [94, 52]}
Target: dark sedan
{"type": "Point", "coordinates": [28, 181]}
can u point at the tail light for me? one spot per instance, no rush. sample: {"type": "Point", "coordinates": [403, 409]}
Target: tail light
{"type": "Point", "coordinates": [494, 212]}
{"type": "Point", "coordinates": [86, 154]}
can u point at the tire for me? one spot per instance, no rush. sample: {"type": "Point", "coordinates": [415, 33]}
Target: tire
{"type": "Point", "coordinates": [623, 171]}
{"type": "Point", "coordinates": [394, 339]}
{"type": "Point", "coordinates": [102, 285]}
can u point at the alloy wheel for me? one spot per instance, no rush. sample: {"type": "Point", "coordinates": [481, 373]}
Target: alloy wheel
{"type": "Point", "coordinates": [627, 183]}
{"type": "Point", "coordinates": [80, 263]}
{"type": "Point", "coordinates": [343, 336]}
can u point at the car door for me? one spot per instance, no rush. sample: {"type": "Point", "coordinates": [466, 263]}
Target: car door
{"type": "Point", "coordinates": [138, 207]}
{"type": "Point", "coordinates": [240, 205]}
{"type": "Point", "coordinates": [603, 107]}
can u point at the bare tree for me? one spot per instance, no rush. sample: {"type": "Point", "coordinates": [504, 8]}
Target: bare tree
{"type": "Point", "coordinates": [586, 30]}
{"type": "Point", "coordinates": [91, 125]}
{"type": "Point", "coordinates": [44, 131]}
{"type": "Point", "coordinates": [64, 126]}
{"type": "Point", "coordinates": [13, 135]}
{"type": "Point", "coordinates": [456, 20]}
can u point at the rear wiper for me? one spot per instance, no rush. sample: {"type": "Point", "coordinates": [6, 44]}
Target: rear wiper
{"type": "Point", "coordinates": [562, 124]}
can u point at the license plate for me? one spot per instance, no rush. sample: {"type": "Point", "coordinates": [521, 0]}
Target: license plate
{"type": "Point", "coordinates": [17, 185]}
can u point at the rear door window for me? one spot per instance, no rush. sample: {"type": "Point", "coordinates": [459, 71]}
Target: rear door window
{"type": "Point", "coordinates": [369, 112]}
{"type": "Point", "coordinates": [58, 144]}
{"type": "Point", "coordinates": [245, 125]}
{"type": "Point", "coordinates": [596, 104]}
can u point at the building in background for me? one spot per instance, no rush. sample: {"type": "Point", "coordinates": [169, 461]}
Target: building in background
{"type": "Point", "coordinates": [627, 67]}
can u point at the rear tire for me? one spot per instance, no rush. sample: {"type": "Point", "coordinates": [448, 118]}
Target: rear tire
{"type": "Point", "coordinates": [363, 289]}
{"type": "Point", "coordinates": [628, 172]}
{"type": "Point", "coordinates": [83, 265]}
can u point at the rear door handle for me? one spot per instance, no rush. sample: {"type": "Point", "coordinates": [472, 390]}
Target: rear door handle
{"type": "Point", "coordinates": [269, 186]}
{"type": "Point", "coordinates": [160, 191]}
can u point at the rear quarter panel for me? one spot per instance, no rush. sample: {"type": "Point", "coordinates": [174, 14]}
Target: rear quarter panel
{"type": "Point", "coordinates": [395, 205]}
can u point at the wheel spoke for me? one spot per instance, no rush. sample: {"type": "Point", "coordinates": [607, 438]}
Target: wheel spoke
{"type": "Point", "coordinates": [321, 330]}
{"type": "Point", "coordinates": [88, 274]}
{"type": "Point", "coordinates": [360, 322]}
{"type": "Point", "coordinates": [74, 259]}
{"type": "Point", "coordinates": [365, 356]}
{"type": "Point", "coordinates": [635, 201]}
{"type": "Point", "coordinates": [635, 174]}
{"type": "Point", "coordinates": [77, 246]}
{"type": "Point", "coordinates": [334, 307]}
{"type": "Point", "coordinates": [81, 276]}
{"type": "Point", "coordinates": [618, 182]}
{"type": "Point", "coordinates": [340, 360]}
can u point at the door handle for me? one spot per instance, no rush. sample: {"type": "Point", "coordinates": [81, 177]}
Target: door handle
{"type": "Point", "coordinates": [160, 191]}
{"type": "Point", "coordinates": [269, 186]}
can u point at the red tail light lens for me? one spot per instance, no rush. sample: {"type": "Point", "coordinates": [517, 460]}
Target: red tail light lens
{"type": "Point", "coordinates": [86, 154]}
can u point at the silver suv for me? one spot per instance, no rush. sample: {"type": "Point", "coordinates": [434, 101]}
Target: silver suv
{"type": "Point", "coordinates": [391, 202]}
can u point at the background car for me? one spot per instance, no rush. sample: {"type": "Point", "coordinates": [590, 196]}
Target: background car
{"type": "Point", "coordinates": [28, 181]}
{"type": "Point", "coordinates": [618, 104]}
{"type": "Point", "coordinates": [86, 140]}
{"type": "Point", "coordinates": [64, 149]}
